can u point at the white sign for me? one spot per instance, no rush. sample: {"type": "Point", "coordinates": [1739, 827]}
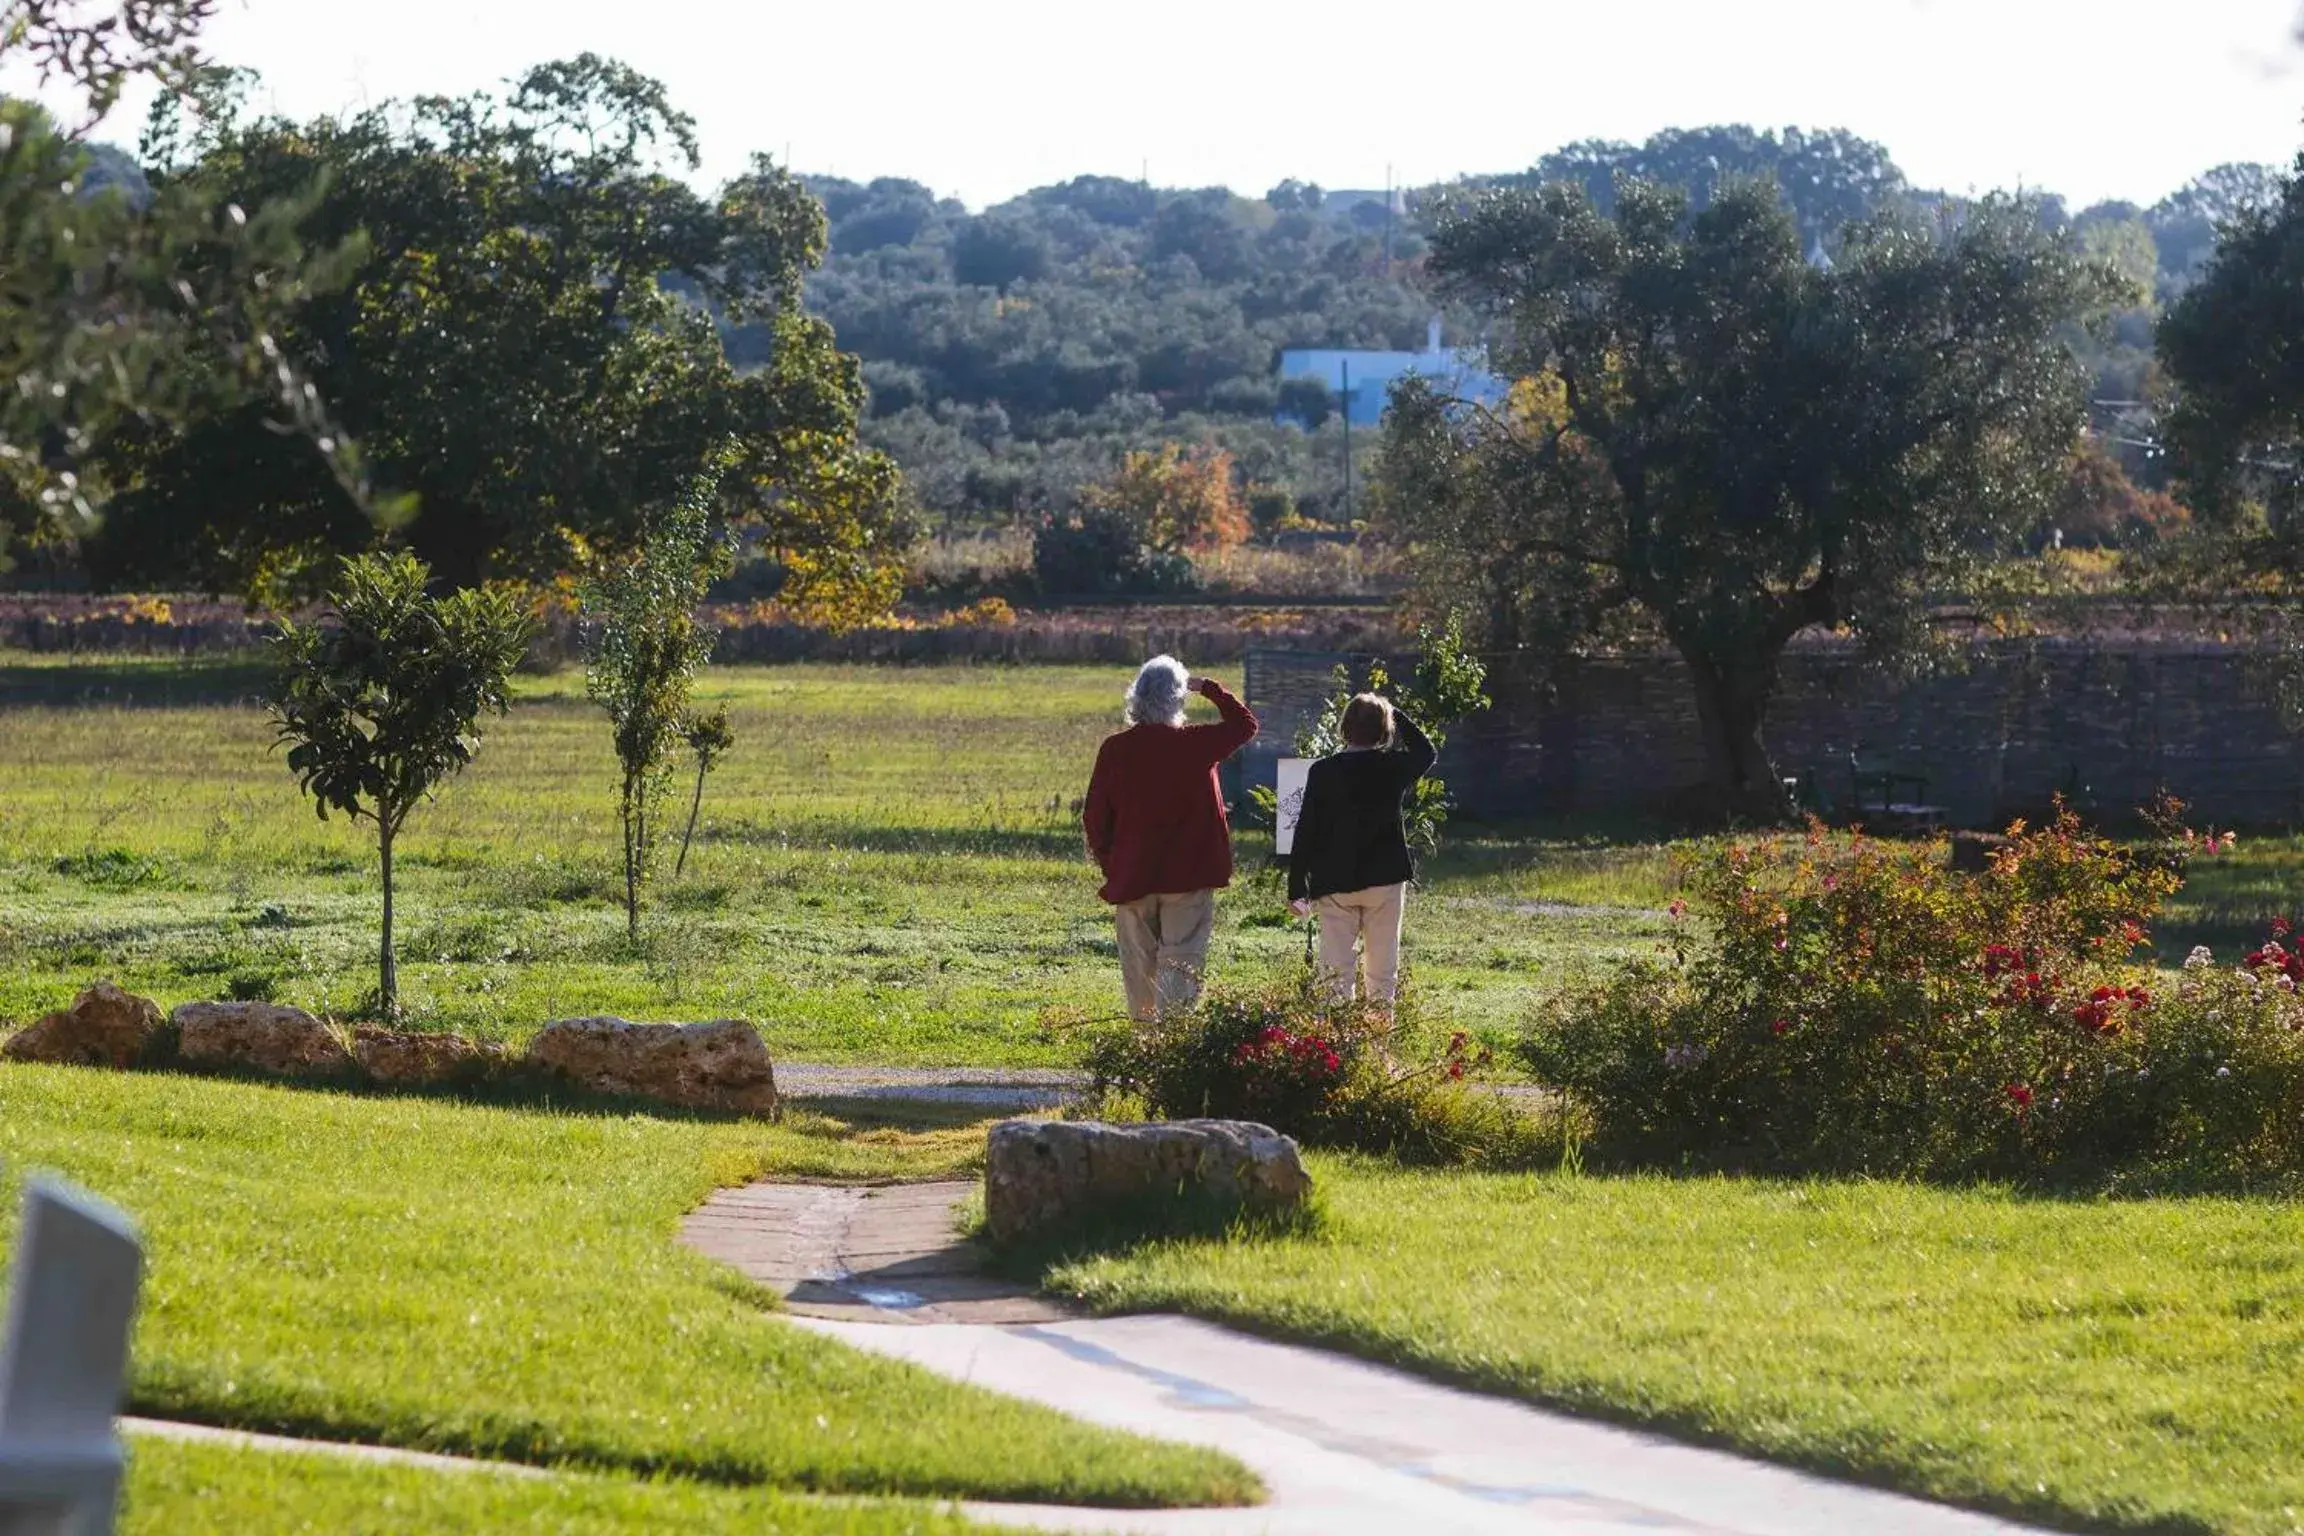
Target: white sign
{"type": "Point", "coordinates": [1290, 790]}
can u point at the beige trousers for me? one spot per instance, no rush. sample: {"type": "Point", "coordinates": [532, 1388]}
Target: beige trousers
{"type": "Point", "coordinates": [1370, 918]}
{"type": "Point", "coordinates": [1164, 949]}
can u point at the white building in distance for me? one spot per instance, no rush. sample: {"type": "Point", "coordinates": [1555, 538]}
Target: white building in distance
{"type": "Point", "coordinates": [1363, 380]}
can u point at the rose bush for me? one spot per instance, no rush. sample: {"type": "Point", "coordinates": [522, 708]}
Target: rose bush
{"type": "Point", "coordinates": [1855, 1006]}
{"type": "Point", "coordinates": [1328, 1075]}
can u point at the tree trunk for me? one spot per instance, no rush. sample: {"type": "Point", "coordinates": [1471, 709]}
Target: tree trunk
{"type": "Point", "coordinates": [688, 833]}
{"type": "Point", "coordinates": [387, 972]}
{"type": "Point", "coordinates": [632, 852]}
{"type": "Point", "coordinates": [1732, 697]}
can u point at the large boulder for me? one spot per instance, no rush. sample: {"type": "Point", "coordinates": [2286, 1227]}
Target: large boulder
{"type": "Point", "coordinates": [722, 1065]}
{"type": "Point", "coordinates": [104, 1027]}
{"type": "Point", "coordinates": [1042, 1171]}
{"type": "Point", "coordinates": [421, 1059]}
{"type": "Point", "coordinates": [271, 1038]}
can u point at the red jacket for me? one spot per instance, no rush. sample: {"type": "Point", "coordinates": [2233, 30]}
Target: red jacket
{"type": "Point", "coordinates": [1154, 817]}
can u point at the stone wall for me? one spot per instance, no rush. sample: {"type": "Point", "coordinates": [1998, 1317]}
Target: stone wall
{"type": "Point", "coordinates": [2107, 724]}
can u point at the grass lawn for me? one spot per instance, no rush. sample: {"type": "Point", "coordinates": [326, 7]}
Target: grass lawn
{"type": "Point", "coordinates": [502, 1282]}
{"type": "Point", "coordinates": [890, 867]}
{"type": "Point", "coordinates": [2125, 1365]}
{"type": "Point", "coordinates": [206, 1490]}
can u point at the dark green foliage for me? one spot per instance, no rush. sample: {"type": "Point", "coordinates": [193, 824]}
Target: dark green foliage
{"type": "Point", "coordinates": [1095, 317]}
{"type": "Point", "coordinates": [524, 352]}
{"type": "Point", "coordinates": [1724, 445]}
{"type": "Point", "coordinates": [381, 702]}
{"type": "Point", "coordinates": [1828, 178]}
{"type": "Point", "coordinates": [1100, 552]}
{"type": "Point", "coordinates": [2228, 344]}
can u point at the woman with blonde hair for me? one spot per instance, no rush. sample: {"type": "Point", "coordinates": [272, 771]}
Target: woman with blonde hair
{"type": "Point", "coordinates": [1350, 858]}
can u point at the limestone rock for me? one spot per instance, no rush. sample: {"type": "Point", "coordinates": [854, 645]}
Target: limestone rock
{"type": "Point", "coordinates": [722, 1065]}
{"type": "Point", "coordinates": [104, 1027]}
{"type": "Point", "coordinates": [259, 1037]}
{"type": "Point", "coordinates": [418, 1059]}
{"type": "Point", "coordinates": [1040, 1171]}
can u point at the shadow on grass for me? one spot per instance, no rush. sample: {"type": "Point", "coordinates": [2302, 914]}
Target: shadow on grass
{"type": "Point", "coordinates": [136, 682]}
{"type": "Point", "coordinates": [1126, 1227]}
{"type": "Point", "coordinates": [1055, 842]}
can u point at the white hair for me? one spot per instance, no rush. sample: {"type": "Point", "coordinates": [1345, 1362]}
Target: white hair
{"type": "Point", "coordinates": [1157, 695]}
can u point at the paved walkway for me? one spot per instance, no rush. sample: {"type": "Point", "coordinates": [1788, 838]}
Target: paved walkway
{"type": "Point", "coordinates": [1022, 1089]}
{"type": "Point", "coordinates": [882, 1254]}
{"type": "Point", "coordinates": [1345, 1447]}
{"type": "Point", "coordinates": [991, 1087]}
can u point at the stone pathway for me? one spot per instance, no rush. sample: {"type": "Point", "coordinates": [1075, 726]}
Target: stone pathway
{"type": "Point", "coordinates": [1346, 1447]}
{"type": "Point", "coordinates": [1011, 1089]}
{"type": "Point", "coordinates": [1019, 1088]}
{"type": "Point", "coordinates": [888, 1253]}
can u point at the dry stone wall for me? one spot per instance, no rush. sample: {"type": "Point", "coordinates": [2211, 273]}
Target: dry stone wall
{"type": "Point", "coordinates": [2107, 724]}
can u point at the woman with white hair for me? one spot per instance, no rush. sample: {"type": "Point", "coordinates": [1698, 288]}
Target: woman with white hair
{"type": "Point", "coordinates": [1156, 825]}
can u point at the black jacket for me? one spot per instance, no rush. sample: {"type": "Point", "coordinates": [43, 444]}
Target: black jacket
{"type": "Point", "coordinates": [1348, 834]}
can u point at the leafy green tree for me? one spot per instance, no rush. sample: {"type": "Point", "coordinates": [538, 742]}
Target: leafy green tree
{"type": "Point", "coordinates": [1717, 444]}
{"type": "Point", "coordinates": [528, 353]}
{"type": "Point", "coordinates": [382, 701]}
{"type": "Point", "coordinates": [1828, 177]}
{"type": "Point", "coordinates": [2229, 345]}
{"type": "Point", "coordinates": [999, 251]}
{"type": "Point", "coordinates": [648, 645]}
{"type": "Point", "coordinates": [118, 305]}
{"type": "Point", "coordinates": [2187, 222]}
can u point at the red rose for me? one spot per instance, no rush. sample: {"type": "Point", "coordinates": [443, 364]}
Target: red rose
{"type": "Point", "coordinates": [2019, 1095]}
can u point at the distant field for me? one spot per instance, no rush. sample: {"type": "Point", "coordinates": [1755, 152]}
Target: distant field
{"type": "Point", "coordinates": [890, 867]}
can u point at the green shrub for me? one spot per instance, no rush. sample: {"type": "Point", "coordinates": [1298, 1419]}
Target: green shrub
{"type": "Point", "coordinates": [1327, 1074]}
{"type": "Point", "coordinates": [1858, 1007]}
{"type": "Point", "coordinates": [1101, 552]}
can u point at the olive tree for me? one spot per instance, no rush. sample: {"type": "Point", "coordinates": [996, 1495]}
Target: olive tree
{"type": "Point", "coordinates": [381, 700]}
{"type": "Point", "coordinates": [1713, 442]}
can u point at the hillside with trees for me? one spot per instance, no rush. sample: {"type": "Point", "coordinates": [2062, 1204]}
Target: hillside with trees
{"type": "Point", "coordinates": [1020, 365]}
{"type": "Point", "coordinates": [1014, 354]}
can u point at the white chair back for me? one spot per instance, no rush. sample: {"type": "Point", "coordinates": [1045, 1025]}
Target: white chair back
{"type": "Point", "coordinates": [64, 1363]}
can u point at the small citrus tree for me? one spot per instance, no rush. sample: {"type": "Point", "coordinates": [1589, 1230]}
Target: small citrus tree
{"type": "Point", "coordinates": [380, 704]}
{"type": "Point", "coordinates": [647, 647]}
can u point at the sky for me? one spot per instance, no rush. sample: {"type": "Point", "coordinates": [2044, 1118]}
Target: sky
{"type": "Point", "coordinates": [2092, 99]}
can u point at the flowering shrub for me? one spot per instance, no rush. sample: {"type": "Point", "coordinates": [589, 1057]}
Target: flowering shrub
{"type": "Point", "coordinates": [1327, 1075]}
{"type": "Point", "coordinates": [1856, 1006]}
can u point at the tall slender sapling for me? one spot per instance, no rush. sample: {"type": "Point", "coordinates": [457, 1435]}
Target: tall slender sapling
{"type": "Point", "coordinates": [647, 647]}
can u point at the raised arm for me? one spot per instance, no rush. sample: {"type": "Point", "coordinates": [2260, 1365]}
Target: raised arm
{"type": "Point", "coordinates": [1228, 735]}
{"type": "Point", "coordinates": [1415, 752]}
